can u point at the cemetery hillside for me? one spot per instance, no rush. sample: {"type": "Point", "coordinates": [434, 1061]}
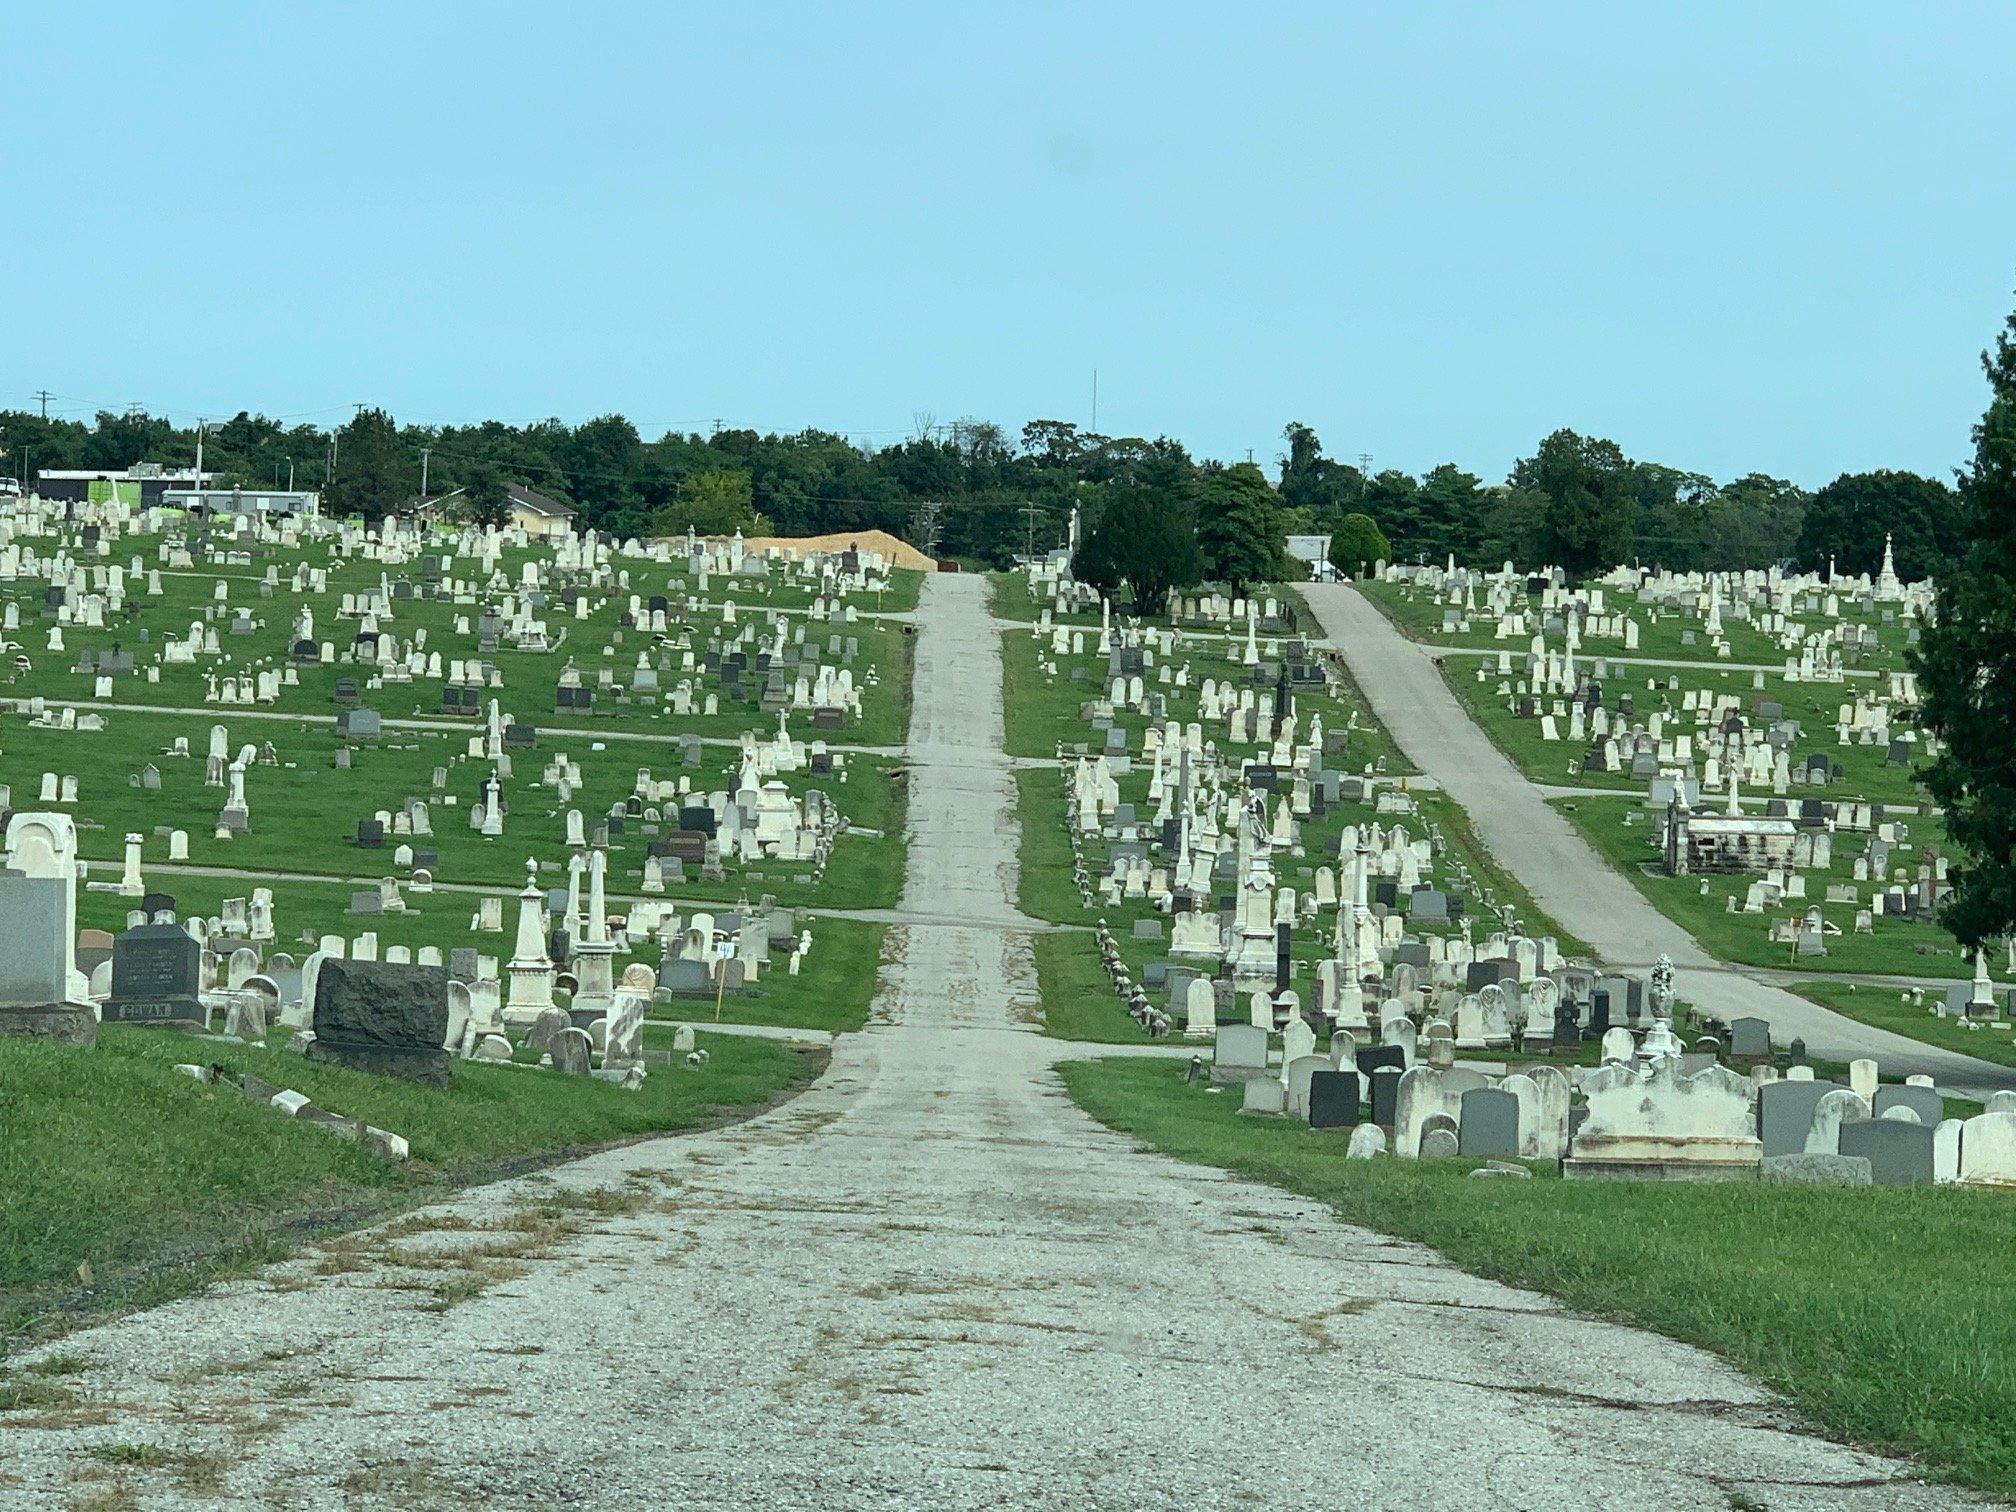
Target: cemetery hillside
{"type": "Point", "coordinates": [1384, 879]}
{"type": "Point", "coordinates": [418, 917]}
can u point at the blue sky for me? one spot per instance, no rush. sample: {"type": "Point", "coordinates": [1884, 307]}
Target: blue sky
{"type": "Point", "coordinates": [1731, 237]}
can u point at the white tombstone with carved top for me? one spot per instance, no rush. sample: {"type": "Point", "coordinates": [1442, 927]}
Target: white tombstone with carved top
{"type": "Point", "coordinates": [1668, 1127]}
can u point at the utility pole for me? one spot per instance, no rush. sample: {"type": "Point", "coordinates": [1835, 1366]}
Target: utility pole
{"type": "Point", "coordinates": [45, 396]}
{"type": "Point", "coordinates": [925, 524]}
{"type": "Point", "coordinates": [423, 471]}
{"type": "Point", "coordinates": [199, 454]}
{"type": "Point", "coordinates": [1029, 513]}
{"type": "Point", "coordinates": [290, 475]}
{"type": "Point", "coordinates": [1095, 401]}
{"type": "Point", "coordinates": [1364, 473]}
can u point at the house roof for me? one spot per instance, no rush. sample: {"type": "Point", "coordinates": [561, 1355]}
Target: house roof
{"type": "Point", "coordinates": [520, 496]}
{"type": "Point", "coordinates": [538, 503]}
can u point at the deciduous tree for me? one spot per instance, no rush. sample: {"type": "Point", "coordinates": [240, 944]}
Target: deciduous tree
{"type": "Point", "coordinates": [486, 502]}
{"type": "Point", "coordinates": [376, 473]}
{"type": "Point", "coordinates": [1356, 544]}
{"type": "Point", "coordinates": [1848, 520]}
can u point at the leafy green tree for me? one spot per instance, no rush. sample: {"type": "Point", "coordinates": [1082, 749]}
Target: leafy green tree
{"type": "Point", "coordinates": [486, 502]}
{"type": "Point", "coordinates": [376, 472]}
{"type": "Point", "coordinates": [1312, 481]}
{"type": "Point", "coordinates": [1356, 544]}
{"type": "Point", "coordinates": [1239, 527]}
{"type": "Point", "coordinates": [1848, 520]}
{"type": "Point", "coordinates": [1966, 666]}
{"type": "Point", "coordinates": [1510, 529]}
{"type": "Point", "coordinates": [712, 503]}
{"type": "Point", "coordinates": [1096, 562]}
{"type": "Point", "coordinates": [1585, 488]}
{"type": "Point", "coordinates": [1057, 442]}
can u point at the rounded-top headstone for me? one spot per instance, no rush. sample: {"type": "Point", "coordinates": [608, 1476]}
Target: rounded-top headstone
{"type": "Point", "coordinates": [1438, 1144]}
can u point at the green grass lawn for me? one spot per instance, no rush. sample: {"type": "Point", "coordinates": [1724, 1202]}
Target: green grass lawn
{"type": "Point", "coordinates": [1043, 887]}
{"type": "Point", "coordinates": [1885, 1008]}
{"type": "Point", "coordinates": [834, 991]}
{"type": "Point", "coordinates": [1078, 1002]}
{"type": "Point", "coordinates": [305, 811]}
{"type": "Point", "coordinates": [1814, 705]}
{"type": "Point", "coordinates": [111, 1159]}
{"type": "Point", "coordinates": [529, 678]}
{"type": "Point", "coordinates": [1897, 947]}
{"type": "Point", "coordinates": [1864, 774]}
{"type": "Point", "coordinates": [1661, 631]}
{"type": "Point", "coordinates": [1877, 1312]}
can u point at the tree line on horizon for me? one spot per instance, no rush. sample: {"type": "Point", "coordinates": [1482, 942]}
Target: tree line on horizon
{"type": "Point", "coordinates": [1577, 501]}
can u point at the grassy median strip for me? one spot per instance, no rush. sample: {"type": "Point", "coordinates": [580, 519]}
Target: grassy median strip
{"type": "Point", "coordinates": [1700, 905]}
{"type": "Point", "coordinates": [1079, 1003]}
{"type": "Point", "coordinates": [1885, 1008]}
{"type": "Point", "coordinates": [1044, 887]}
{"type": "Point", "coordinates": [832, 991]}
{"type": "Point", "coordinates": [1880, 1313]}
{"type": "Point", "coordinates": [153, 1183]}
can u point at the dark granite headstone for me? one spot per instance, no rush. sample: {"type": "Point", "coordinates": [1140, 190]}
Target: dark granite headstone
{"type": "Point", "coordinates": [1385, 1095]}
{"type": "Point", "coordinates": [1750, 1039]}
{"type": "Point", "coordinates": [1567, 1028]}
{"type": "Point", "coordinates": [1899, 1153]}
{"type": "Point", "coordinates": [156, 971]}
{"type": "Point", "coordinates": [1333, 1099]}
{"type": "Point", "coordinates": [1924, 1101]}
{"type": "Point", "coordinates": [1488, 1128]}
{"type": "Point", "coordinates": [685, 979]}
{"type": "Point", "coordinates": [1372, 1057]}
{"type": "Point", "coordinates": [387, 1019]}
{"type": "Point", "coordinates": [1599, 1012]}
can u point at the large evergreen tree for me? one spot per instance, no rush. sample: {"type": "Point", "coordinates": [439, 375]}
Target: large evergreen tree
{"type": "Point", "coordinates": [1966, 666]}
{"type": "Point", "coordinates": [1145, 540]}
{"type": "Point", "coordinates": [376, 473]}
{"type": "Point", "coordinates": [1239, 527]}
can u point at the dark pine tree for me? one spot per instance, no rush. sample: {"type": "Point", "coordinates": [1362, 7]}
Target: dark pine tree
{"type": "Point", "coordinates": [1966, 665]}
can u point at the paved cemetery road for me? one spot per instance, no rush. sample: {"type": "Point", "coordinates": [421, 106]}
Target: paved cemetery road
{"type": "Point", "coordinates": [1566, 876]}
{"type": "Point", "coordinates": [930, 1281]}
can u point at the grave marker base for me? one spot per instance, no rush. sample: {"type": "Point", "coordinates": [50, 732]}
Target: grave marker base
{"type": "Point", "coordinates": [432, 1068]}
{"type": "Point", "coordinates": [56, 1024]}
